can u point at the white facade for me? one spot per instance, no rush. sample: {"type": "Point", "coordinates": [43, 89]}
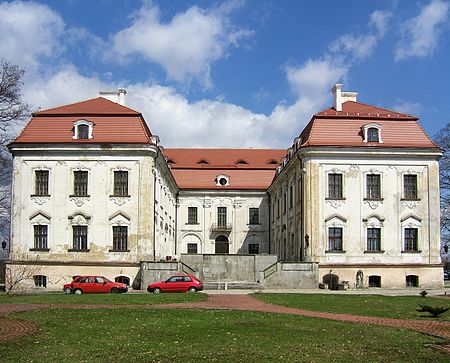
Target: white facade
{"type": "Point", "coordinates": [241, 234]}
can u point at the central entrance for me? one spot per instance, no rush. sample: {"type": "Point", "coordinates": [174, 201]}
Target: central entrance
{"type": "Point", "coordinates": [222, 245]}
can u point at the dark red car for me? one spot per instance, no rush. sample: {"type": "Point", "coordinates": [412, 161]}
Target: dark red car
{"type": "Point", "coordinates": [94, 285]}
{"type": "Point", "coordinates": [177, 283]}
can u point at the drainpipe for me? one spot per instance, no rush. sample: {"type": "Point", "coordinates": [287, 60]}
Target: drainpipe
{"type": "Point", "coordinates": [270, 223]}
{"type": "Point", "coordinates": [154, 211]}
{"type": "Point", "coordinates": [176, 219]}
{"type": "Point", "coordinates": [302, 210]}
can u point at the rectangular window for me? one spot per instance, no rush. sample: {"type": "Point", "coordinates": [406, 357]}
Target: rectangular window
{"type": "Point", "coordinates": [291, 197]}
{"type": "Point", "coordinates": [40, 237]}
{"type": "Point", "coordinates": [411, 239]}
{"type": "Point", "coordinates": [40, 281]}
{"type": "Point", "coordinates": [80, 183]}
{"type": "Point", "coordinates": [273, 212]}
{"type": "Point", "coordinates": [284, 202]}
{"type": "Point", "coordinates": [41, 182]}
{"type": "Point", "coordinates": [121, 183]}
{"type": "Point", "coordinates": [253, 248]}
{"type": "Point", "coordinates": [192, 248]}
{"type": "Point", "coordinates": [335, 186]}
{"type": "Point", "coordinates": [120, 238]}
{"type": "Point", "coordinates": [192, 215]}
{"type": "Point", "coordinates": [373, 186]}
{"type": "Point", "coordinates": [335, 239]}
{"type": "Point", "coordinates": [79, 237]}
{"type": "Point", "coordinates": [373, 239]}
{"type": "Point", "coordinates": [410, 186]}
{"type": "Point", "coordinates": [278, 208]}
{"type": "Point", "coordinates": [253, 216]}
{"type": "Point", "coordinates": [222, 216]}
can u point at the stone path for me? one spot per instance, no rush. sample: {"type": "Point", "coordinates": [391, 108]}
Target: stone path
{"type": "Point", "coordinates": [10, 329]}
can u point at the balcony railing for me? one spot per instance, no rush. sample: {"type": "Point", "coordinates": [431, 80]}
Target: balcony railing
{"type": "Point", "coordinates": [221, 227]}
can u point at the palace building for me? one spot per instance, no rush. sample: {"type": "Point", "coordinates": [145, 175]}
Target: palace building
{"type": "Point", "coordinates": [353, 202]}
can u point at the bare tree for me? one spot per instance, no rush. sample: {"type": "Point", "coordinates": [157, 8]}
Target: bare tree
{"type": "Point", "coordinates": [19, 276]}
{"type": "Point", "coordinates": [12, 111]}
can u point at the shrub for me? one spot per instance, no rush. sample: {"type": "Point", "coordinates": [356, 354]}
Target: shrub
{"type": "Point", "coordinates": [435, 311]}
{"type": "Point", "coordinates": [424, 293]}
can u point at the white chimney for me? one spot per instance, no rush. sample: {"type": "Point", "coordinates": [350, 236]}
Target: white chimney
{"type": "Point", "coordinates": [340, 97]}
{"type": "Point", "coordinates": [115, 96]}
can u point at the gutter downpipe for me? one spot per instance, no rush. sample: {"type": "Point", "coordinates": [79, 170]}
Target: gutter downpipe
{"type": "Point", "coordinates": [302, 209]}
{"type": "Point", "coordinates": [176, 219]}
{"type": "Point", "coordinates": [154, 211]}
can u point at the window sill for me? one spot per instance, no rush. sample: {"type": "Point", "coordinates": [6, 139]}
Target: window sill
{"type": "Point", "coordinates": [330, 198]}
{"type": "Point", "coordinates": [192, 224]}
{"type": "Point", "coordinates": [120, 196]}
{"type": "Point", "coordinates": [333, 251]}
{"type": "Point", "coordinates": [374, 199]}
{"type": "Point", "coordinates": [119, 251]}
{"type": "Point", "coordinates": [410, 199]}
{"type": "Point", "coordinates": [40, 249]}
{"type": "Point", "coordinates": [80, 196]}
{"type": "Point", "coordinates": [253, 224]}
{"type": "Point", "coordinates": [40, 195]}
{"type": "Point", "coordinates": [381, 251]}
{"type": "Point", "coordinates": [411, 251]}
{"type": "Point", "coordinates": [76, 250]}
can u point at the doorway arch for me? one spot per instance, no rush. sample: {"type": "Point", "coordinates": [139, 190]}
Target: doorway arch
{"type": "Point", "coordinates": [222, 245]}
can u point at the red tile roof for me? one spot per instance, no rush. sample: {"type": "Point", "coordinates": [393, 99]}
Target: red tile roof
{"type": "Point", "coordinates": [238, 179]}
{"type": "Point", "coordinates": [344, 128]}
{"type": "Point", "coordinates": [224, 158]}
{"type": "Point", "coordinates": [113, 123]}
{"type": "Point", "coordinates": [250, 169]}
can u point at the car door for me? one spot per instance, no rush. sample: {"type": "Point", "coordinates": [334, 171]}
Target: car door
{"type": "Point", "coordinates": [85, 284]}
{"type": "Point", "coordinates": [172, 284]}
{"type": "Point", "coordinates": [100, 285]}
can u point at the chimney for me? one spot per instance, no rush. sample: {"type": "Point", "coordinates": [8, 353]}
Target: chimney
{"type": "Point", "coordinates": [115, 96]}
{"type": "Point", "coordinates": [340, 97]}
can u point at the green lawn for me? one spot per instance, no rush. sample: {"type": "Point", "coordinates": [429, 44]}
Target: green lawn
{"type": "Point", "coordinates": [398, 307]}
{"type": "Point", "coordinates": [140, 299]}
{"type": "Point", "coordinates": [145, 335]}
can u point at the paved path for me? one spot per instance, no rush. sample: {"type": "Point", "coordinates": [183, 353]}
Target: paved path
{"type": "Point", "coordinates": [227, 302]}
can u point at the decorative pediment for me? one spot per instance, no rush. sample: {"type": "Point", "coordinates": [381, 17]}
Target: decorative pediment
{"type": "Point", "coordinates": [119, 219]}
{"type": "Point", "coordinates": [336, 216]}
{"type": "Point", "coordinates": [40, 218]}
{"type": "Point", "coordinates": [79, 218]}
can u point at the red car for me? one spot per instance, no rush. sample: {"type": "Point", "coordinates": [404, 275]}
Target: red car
{"type": "Point", "coordinates": [94, 285]}
{"type": "Point", "coordinates": [177, 283]}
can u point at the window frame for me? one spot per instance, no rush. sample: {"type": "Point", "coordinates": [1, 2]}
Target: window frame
{"type": "Point", "coordinates": [406, 191]}
{"type": "Point", "coordinates": [41, 188]}
{"type": "Point", "coordinates": [120, 184]}
{"type": "Point", "coordinates": [253, 245]}
{"type": "Point", "coordinates": [76, 132]}
{"type": "Point", "coordinates": [335, 240]}
{"type": "Point", "coordinates": [372, 240]}
{"type": "Point", "coordinates": [191, 215]}
{"type": "Point", "coordinates": [80, 183]}
{"type": "Point", "coordinates": [190, 246]}
{"type": "Point", "coordinates": [221, 216]}
{"type": "Point", "coordinates": [41, 245]}
{"type": "Point", "coordinates": [335, 191]}
{"type": "Point", "coordinates": [40, 281]}
{"type": "Point", "coordinates": [373, 134]}
{"type": "Point", "coordinates": [83, 238]}
{"type": "Point", "coordinates": [370, 193]}
{"type": "Point", "coordinates": [410, 240]}
{"type": "Point", "coordinates": [253, 218]}
{"type": "Point", "coordinates": [119, 239]}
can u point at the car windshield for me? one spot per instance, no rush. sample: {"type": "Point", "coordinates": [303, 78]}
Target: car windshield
{"type": "Point", "coordinates": [104, 278]}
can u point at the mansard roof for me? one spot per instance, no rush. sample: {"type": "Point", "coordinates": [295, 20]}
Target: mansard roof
{"type": "Point", "coordinates": [345, 128]}
{"type": "Point", "coordinates": [250, 169]}
{"type": "Point", "coordinates": [113, 123]}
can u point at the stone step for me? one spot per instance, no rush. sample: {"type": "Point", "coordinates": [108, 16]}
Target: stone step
{"type": "Point", "coordinates": [227, 285]}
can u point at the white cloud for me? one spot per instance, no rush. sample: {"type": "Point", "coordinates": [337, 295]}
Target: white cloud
{"type": "Point", "coordinates": [410, 108]}
{"type": "Point", "coordinates": [380, 20]}
{"type": "Point", "coordinates": [186, 46]}
{"type": "Point", "coordinates": [30, 32]}
{"type": "Point", "coordinates": [420, 35]}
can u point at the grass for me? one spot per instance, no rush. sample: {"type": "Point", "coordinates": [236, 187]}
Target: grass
{"type": "Point", "coordinates": [132, 299]}
{"type": "Point", "coordinates": [397, 307]}
{"type": "Point", "coordinates": [111, 335]}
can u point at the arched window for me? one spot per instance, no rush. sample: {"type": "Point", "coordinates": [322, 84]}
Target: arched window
{"type": "Point", "coordinates": [222, 245]}
{"type": "Point", "coordinates": [123, 279]}
{"type": "Point", "coordinates": [372, 135]}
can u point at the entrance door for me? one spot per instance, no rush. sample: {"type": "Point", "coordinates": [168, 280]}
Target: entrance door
{"type": "Point", "coordinates": [222, 245]}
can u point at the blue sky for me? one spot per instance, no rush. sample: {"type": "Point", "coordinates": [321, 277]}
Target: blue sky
{"type": "Point", "coordinates": [238, 73]}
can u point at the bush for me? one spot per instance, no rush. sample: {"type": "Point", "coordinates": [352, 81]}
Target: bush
{"type": "Point", "coordinates": [435, 311]}
{"type": "Point", "coordinates": [423, 293]}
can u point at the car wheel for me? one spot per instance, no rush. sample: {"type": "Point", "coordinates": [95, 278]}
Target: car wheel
{"type": "Point", "coordinates": [192, 289]}
{"type": "Point", "coordinates": [115, 290]}
{"type": "Point", "coordinates": [78, 292]}
{"type": "Point", "coordinates": [157, 290]}
{"type": "Point", "coordinates": [67, 290]}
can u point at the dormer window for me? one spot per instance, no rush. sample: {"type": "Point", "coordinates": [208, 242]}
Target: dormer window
{"type": "Point", "coordinates": [241, 162]}
{"type": "Point", "coordinates": [372, 133]}
{"type": "Point", "coordinates": [83, 129]}
{"type": "Point", "coordinates": [203, 161]}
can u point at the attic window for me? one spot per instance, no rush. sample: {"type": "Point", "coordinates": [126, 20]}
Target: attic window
{"type": "Point", "coordinates": [170, 161]}
{"type": "Point", "coordinates": [272, 162]}
{"type": "Point", "coordinates": [83, 129]}
{"type": "Point", "coordinates": [222, 180]}
{"type": "Point", "coordinates": [241, 162]}
{"type": "Point", "coordinates": [372, 133]}
{"type": "Point", "coordinates": [203, 161]}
